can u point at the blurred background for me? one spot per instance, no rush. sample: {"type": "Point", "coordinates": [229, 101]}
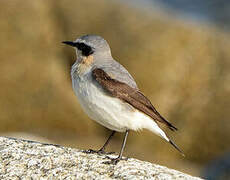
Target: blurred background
{"type": "Point", "coordinates": [178, 52]}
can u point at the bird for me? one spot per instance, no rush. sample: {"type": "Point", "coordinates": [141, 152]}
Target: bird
{"type": "Point", "coordinates": [109, 95]}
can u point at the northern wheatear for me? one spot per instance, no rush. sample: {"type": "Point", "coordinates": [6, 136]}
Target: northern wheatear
{"type": "Point", "coordinates": [109, 94]}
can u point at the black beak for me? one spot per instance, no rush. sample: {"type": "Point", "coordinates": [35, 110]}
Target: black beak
{"type": "Point", "coordinates": [70, 43]}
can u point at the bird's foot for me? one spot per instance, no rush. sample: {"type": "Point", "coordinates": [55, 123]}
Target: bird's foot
{"type": "Point", "coordinates": [101, 151]}
{"type": "Point", "coordinates": [89, 151]}
{"type": "Point", "coordinates": [114, 161]}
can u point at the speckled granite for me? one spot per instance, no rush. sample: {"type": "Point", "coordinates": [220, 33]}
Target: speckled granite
{"type": "Point", "coordinates": [22, 159]}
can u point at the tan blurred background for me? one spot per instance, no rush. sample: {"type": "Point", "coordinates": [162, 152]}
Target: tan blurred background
{"type": "Point", "coordinates": [183, 67]}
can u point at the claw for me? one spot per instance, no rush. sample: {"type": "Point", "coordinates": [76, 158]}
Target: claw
{"type": "Point", "coordinates": [114, 161]}
{"type": "Point", "coordinates": [91, 151]}
{"type": "Point", "coordinates": [103, 152]}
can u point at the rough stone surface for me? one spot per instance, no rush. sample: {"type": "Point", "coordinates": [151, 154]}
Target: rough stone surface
{"type": "Point", "coordinates": [23, 159]}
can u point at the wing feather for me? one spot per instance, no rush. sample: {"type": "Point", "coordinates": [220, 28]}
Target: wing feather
{"type": "Point", "coordinates": [130, 95]}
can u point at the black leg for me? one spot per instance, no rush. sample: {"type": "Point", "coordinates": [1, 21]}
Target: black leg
{"type": "Point", "coordinates": [116, 160]}
{"type": "Point", "coordinates": [107, 142]}
{"type": "Point", "coordinates": [123, 144]}
{"type": "Point", "coordinates": [102, 150]}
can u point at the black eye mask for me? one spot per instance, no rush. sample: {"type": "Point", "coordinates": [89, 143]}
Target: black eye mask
{"type": "Point", "coordinates": [86, 50]}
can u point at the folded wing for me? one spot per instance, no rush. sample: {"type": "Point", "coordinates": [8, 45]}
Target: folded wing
{"type": "Point", "coordinates": [129, 95]}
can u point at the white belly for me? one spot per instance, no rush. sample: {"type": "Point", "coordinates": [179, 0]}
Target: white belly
{"type": "Point", "coordinates": [104, 109]}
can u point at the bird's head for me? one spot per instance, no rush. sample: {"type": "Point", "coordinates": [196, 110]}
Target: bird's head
{"type": "Point", "coordinates": [90, 45]}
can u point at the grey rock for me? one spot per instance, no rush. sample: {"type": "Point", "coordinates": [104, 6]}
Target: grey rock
{"type": "Point", "coordinates": [23, 159]}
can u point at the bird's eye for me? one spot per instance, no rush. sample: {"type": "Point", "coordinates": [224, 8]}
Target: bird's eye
{"type": "Point", "coordinates": [86, 50]}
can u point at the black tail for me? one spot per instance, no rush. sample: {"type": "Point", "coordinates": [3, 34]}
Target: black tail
{"type": "Point", "coordinates": [176, 147]}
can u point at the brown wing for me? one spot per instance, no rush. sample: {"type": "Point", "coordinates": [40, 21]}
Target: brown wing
{"type": "Point", "coordinates": [130, 95]}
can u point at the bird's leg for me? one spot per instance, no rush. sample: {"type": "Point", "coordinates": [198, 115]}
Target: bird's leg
{"type": "Point", "coordinates": [116, 160]}
{"type": "Point", "coordinates": [102, 150]}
